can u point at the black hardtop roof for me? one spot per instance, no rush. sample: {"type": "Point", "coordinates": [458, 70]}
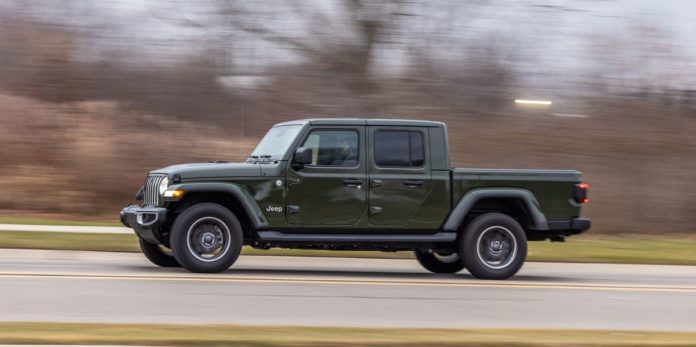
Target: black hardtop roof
{"type": "Point", "coordinates": [363, 121]}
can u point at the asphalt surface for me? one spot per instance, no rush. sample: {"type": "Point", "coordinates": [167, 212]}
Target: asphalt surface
{"type": "Point", "coordinates": [67, 286]}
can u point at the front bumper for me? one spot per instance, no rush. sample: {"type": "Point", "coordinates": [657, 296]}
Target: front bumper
{"type": "Point", "coordinates": [145, 221]}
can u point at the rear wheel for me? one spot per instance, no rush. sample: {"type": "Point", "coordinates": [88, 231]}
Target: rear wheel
{"type": "Point", "coordinates": [494, 246]}
{"type": "Point", "coordinates": [206, 237]}
{"type": "Point", "coordinates": [155, 254]}
{"type": "Point", "coordinates": [439, 262]}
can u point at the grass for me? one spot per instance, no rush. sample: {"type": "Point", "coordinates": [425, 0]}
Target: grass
{"type": "Point", "coordinates": [69, 241]}
{"type": "Point", "coordinates": [629, 250]}
{"type": "Point", "coordinates": [235, 335]}
{"type": "Point", "coordinates": [626, 249]}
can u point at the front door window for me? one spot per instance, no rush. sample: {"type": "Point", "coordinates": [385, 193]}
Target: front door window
{"type": "Point", "coordinates": [333, 148]}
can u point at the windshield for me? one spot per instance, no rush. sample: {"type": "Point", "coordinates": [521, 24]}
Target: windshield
{"type": "Point", "coordinates": [276, 142]}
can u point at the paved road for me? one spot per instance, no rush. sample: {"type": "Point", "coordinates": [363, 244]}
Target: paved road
{"type": "Point", "coordinates": [113, 287]}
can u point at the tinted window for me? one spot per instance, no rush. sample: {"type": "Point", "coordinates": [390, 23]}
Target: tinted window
{"type": "Point", "coordinates": [399, 149]}
{"type": "Point", "coordinates": [333, 147]}
{"type": "Point", "coordinates": [392, 148]}
{"type": "Point", "coordinates": [417, 150]}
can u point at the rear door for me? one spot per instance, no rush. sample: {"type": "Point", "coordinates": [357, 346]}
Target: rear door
{"type": "Point", "coordinates": [399, 173]}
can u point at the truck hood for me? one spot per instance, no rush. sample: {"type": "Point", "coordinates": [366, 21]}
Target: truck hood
{"type": "Point", "coordinates": [211, 170]}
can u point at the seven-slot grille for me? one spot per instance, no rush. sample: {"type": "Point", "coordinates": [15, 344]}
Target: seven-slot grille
{"type": "Point", "coordinates": [151, 196]}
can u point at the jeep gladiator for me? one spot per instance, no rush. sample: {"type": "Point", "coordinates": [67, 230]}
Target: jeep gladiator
{"type": "Point", "coordinates": [355, 184]}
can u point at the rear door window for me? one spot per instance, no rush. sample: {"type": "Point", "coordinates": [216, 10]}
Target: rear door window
{"type": "Point", "coordinates": [399, 148]}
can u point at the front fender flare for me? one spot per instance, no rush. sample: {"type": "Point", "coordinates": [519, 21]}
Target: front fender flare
{"type": "Point", "coordinates": [241, 194]}
{"type": "Point", "coordinates": [459, 212]}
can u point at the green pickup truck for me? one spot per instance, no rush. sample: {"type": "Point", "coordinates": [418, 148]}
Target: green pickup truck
{"type": "Point", "coordinates": [355, 184]}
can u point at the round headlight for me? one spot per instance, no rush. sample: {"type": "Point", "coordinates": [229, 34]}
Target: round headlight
{"type": "Point", "coordinates": [163, 185]}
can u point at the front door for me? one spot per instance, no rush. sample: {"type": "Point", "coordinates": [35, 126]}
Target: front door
{"type": "Point", "coordinates": [400, 176]}
{"type": "Point", "coordinates": [331, 191]}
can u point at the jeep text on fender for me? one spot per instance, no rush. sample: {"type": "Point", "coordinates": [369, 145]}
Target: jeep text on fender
{"type": "Point", "coordinates": [355, 184]}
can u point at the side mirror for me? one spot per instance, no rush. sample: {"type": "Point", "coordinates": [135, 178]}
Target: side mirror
{"type": "Point", "coordinates": [303, 156]}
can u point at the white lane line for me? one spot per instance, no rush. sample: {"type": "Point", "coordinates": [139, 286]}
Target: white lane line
{"type": "Point", "coordinates": [66, 229]}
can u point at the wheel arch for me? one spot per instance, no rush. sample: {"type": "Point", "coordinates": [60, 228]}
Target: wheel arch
{"type": "Point", "coordinates": [233, 196]}
{"type": "Point", "coordinates": [519, 203]}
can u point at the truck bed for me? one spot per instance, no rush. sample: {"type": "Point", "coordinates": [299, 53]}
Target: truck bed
{"type": "Point", "coordinates": [552, 188]}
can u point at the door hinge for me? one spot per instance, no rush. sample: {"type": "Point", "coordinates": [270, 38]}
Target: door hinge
{"type": "Point", "coordinates": [293, 181]}
{"type": "Point", "coordinates": [375, 210]}
{"type": "Point", "coordinates": [293, 209]}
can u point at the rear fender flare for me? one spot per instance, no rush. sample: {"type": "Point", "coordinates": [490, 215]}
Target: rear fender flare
{"type": "Point", "coordinates": [461, 210]}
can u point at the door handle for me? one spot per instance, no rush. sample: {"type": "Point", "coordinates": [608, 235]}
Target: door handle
{"type": "Point", "coordinates": [413, 183]}
{"type": "Point", "coordinates": [351, 182]}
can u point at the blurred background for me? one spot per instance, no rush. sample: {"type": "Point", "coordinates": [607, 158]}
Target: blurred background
{"type": "Point", "coordinates": [94, 94]}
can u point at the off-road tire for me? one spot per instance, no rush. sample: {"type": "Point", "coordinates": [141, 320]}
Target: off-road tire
{"type": "Point", "coordinates": [478, 246]}
{"type": "Point", "coordinates": [440, 265]}
{"type": "Point", "coordinates": [155, 255]}
{"type": "Point", "coordinates": [187, 225]}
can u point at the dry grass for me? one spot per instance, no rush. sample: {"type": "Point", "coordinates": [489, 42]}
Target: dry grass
{"type": "Point", "coordinates": [87, 159]}
{"type": "Point", "coordinates": [234, 335]}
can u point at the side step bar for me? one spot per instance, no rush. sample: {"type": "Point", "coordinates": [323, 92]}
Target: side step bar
{"type": "Point", "coordinates": [278, 236]}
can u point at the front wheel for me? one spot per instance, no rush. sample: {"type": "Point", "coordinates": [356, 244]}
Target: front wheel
{"type": "Point", "coordinates": [155, 254]}
{"type": "Point", "coordinates": [206, 237]}
{"type": "Point", "coordinates": [440, 263]}
{"type": "Point", "coordinates": [494, 246]}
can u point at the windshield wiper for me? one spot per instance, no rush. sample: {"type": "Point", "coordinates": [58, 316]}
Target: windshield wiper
{"type": "Point", "coordinates": [266, 158]}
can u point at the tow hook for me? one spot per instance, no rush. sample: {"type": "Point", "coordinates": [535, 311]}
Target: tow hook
{"type": "Point", "coordinates": [557, 238]}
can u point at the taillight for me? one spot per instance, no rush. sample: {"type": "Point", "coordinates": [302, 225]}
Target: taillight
{"type": "Point", "coordinates": [580, 193]}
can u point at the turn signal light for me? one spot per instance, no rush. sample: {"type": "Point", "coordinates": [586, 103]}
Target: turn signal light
{"type": "Point", "coordinates": [174, 193]}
